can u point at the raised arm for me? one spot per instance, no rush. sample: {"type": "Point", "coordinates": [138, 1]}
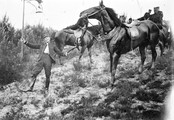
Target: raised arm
{"type": "Point", "coordinates": [33, 46]}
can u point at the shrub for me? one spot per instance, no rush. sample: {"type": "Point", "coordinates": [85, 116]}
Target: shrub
{"type": "Point", "coordinates": [49, 102]}
{"type": "Point", "coordinates": [10, 64]}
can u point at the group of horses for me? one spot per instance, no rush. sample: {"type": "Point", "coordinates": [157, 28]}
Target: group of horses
{"type": "Point", "coordinates": [125, 38]}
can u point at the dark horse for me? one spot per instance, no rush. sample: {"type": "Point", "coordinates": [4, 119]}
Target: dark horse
{"type": "Point", "coordinates": [63, 38]}
{"type": "Point", "coordinates": [124, 38]}
{"type": "Point", "coordinates": [165, 39]}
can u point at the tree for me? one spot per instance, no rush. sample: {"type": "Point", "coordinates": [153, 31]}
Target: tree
{"type": "Point", "coordinates": [10, 66]}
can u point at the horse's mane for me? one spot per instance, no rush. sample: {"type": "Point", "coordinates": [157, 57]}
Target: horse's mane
{"type": "Point", "coordinates": [114, 17]}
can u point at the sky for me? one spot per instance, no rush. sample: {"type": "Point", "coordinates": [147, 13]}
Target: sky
{"type": "Point", "coordinates": [59, 14]}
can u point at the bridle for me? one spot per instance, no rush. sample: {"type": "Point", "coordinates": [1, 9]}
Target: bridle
{"type": "Point", "coordinates": [87, 16]}
{"type": "Point", "coordinates": [101, 9]}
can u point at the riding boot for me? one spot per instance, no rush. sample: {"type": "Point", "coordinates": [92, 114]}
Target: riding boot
{"type": "Point", "coordinates": [77, 44]}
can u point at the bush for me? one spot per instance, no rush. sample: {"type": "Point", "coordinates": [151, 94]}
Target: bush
{"type": "Point", "coordinates": [10, 64]}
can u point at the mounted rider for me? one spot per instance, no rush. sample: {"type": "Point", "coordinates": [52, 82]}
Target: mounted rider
{"type": "Point", "coordinates": [147, 14]}
{"type": "Point", "coordinates": [78, 29]}
{"type": "Point", "coordinates": [157, 17]}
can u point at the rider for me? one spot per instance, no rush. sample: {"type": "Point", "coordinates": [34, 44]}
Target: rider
{"type": "Point", "coordinates": [81, 25]}
{"type": "Point", "coordinates": [157, 17]}
{"type": "Point", "coordinates": [147, 14]}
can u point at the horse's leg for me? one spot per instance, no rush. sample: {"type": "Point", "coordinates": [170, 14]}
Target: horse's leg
{"type": "Point", "coordinates": [111, 59]}
{"type": "Point", "coordinates": [114, 67]}
{"type": "Point", "coordinates": [154, 55]}
{"type": "Point", "coordinates": [60, 61]}
{"type": "Point", "coordinates": [143, 57]}
{"type": "Point", "coordinates": [82, 51]}
{"type": "Point", "coordinates": [60, 47]}
{"type": "Point", "coordinates": [161, 47]}
{"type": "Point", "coordinates": [89, 53]}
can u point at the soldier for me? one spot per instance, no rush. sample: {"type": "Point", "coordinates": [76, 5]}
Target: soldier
{"type": "Point", "coordinates": [81, 25]}
{"type": "Point", "coordinates": [157, 17]}
{"type": "Point", "coordinates": [147, 14]}
{"type": "Point", "coordinates": [45, 60]}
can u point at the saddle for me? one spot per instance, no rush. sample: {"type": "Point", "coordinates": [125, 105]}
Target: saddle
{"type": "Point", "coordinates": [133, 32]}
{"type": "Point", "coordinates": [134, 23]}
{"type": "Point", "coordinates": [77, 33]}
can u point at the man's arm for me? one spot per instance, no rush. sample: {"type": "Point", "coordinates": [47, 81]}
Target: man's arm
{"type": "Point", "coordinates": [59, 52]}
{"type": "Point", "coordinates": [33, 46]}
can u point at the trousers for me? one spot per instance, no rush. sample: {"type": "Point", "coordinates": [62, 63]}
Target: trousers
{"type": "Point", "coordinates": [44, 63]}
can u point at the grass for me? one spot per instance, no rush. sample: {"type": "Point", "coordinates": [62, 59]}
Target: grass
{"type": "Point", "coordinates": [49, 102]}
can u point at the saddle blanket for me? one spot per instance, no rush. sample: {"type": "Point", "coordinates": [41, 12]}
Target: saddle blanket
{"type": "Point", "coordinates": [133, 32]}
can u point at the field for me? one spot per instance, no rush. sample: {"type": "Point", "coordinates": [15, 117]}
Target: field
{"type": "Point", "coordinates": [80, 90]}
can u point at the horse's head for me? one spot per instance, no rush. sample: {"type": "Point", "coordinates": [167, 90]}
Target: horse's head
{"type": "Point", "coordinates": [94, 12]}
{"type": "Point", "coordinates": [105, 15]}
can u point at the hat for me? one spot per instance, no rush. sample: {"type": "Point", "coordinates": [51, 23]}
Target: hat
{"type": "Point", "coordinates": [156, 7]}
{"type": "Point", "coordinates": [46, 35]}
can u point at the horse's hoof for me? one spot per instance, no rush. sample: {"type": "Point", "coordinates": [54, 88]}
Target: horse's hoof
{"type": "Point", "coordinates": [30, 90]}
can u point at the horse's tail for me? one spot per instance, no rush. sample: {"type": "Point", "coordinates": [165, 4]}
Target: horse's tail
{"type": "Point", "coordinates": [149, 32]}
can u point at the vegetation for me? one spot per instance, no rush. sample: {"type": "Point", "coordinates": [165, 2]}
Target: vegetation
{"type": "Point", "coordinates": [80, 90]}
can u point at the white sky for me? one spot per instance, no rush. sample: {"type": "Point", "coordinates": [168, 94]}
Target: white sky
{"type": "Point", "coordinates": [62, 13]}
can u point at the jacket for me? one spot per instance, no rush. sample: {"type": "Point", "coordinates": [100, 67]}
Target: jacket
{"type": "Point", "coordinates": [157, 17]}
{"type": "Point", "coordinates": [53, 50]}
{"type": "Point", "coordinates": [80, 23]}
{"type": "Point", "coordinates": [146, 15]}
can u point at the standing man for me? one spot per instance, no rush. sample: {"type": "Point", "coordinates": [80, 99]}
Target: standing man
{"type": "Point", "coordinates": [45, 60]}
{"type": "Point", "coordinates": [147, 14]}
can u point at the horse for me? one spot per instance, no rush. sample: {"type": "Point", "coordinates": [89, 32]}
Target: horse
{"type": "Point", "coordinates": [63, 38]}
{"type": "Point", "coordinates": [124, 38]}
{"type": "Point", "coordinates": [165, 39]}
{"type": "Point", "coordinates": [165, 34]}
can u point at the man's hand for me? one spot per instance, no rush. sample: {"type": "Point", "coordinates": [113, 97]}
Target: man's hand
{"type": "Point", "coordinates": [23, 40]}
{"type": "Point", "coordinates": [66, 54]}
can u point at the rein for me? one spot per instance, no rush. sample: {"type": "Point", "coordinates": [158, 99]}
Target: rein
{"type": "Point", "coordinates": [90, 32]}
{"type": "Point", "coordinates": [97, 11]}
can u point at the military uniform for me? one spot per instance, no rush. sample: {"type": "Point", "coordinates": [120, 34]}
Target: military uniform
{"type": "Point", "coordinates": [157, 17]}
{"type": "Point", "coordinates": [81, 24]}
{"type": "Point", "coordinates": [146, 15]}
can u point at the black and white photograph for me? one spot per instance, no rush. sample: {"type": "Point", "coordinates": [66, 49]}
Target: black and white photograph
{"type": "Point", "coordinates": [86, 60]}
